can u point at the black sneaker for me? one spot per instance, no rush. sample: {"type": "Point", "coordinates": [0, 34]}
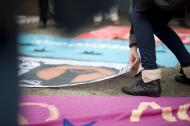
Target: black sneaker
{"type": "Point", "coordinates": [152, 89]}
{"type": "Point", "coordinates": [182, 79]}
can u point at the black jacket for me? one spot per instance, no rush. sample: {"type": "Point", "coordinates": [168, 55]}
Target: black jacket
{"type": "Point", "coordinates": [143, 5]}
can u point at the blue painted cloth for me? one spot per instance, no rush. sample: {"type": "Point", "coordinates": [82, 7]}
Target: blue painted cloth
{"type": "Point", "coordinates": [111, 51]}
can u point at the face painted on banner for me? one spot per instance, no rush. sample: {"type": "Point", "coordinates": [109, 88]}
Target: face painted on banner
{"type": "Point", "coordinates": [44, 73]}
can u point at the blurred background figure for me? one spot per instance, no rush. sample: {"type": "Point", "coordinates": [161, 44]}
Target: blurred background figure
{"type": "Point", "coordinates": [72, 14]}
{"type": "Point", "coordinates": [46, 9]}
{"type": "Point", "coordinates": [111, 14]}
{"type": "Point", "coordinates": [131, 6]}
{"type": "Point", "coordinates": [182, 18]}
{"type": "Point", "coordinates": [43, 13]}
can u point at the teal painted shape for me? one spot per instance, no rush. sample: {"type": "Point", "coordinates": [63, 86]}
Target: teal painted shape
{"type": "Point", "coordinates": [90, 124]}
{"type": "Point", "coordinates": [74, 49]}
{"type": "Point", "coordinates": [165, 57]}
{"type": "Point", "coordinates": [114, 51]}
{"type": "Point", "coordinates": [66, 122]}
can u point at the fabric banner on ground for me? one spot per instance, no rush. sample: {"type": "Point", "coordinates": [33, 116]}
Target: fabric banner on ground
{"type": "Point", "coordinates": [51, 61]}
{"type": "Point", "coordinates": [43, 72]}
{"type": "Point", "coordinates": [104, 111]}
{"type": "Point", "coordinates": [93, 50]}
{"type": "Point", "coordinates": [114, 32]}
{"type": "Point", "coordinates": [45, 46]}
{"type": "Point", "coordinates": [107, 33]}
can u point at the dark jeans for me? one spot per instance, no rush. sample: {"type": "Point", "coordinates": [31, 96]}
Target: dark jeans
{"type": "Point", "coordinates": [148, 23]}
{"type": "Point", "coordinates": [43, 10]}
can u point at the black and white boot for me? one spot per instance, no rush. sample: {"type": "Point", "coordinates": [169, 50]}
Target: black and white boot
{"type": "Point", "coordinates": [148, 85]}
{"type": "Point", "coordinates": [184, 77]}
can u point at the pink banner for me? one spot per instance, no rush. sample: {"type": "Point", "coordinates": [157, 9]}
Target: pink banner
{"type": "Point", "coordinates": [115, 32]}
{"type": "Point", "coordinates": [107, 33]}
{"type": "Point", "coordinates": [104, 111]}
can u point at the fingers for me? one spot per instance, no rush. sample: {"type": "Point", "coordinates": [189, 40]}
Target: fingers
{"type": "Point", "coordinates": [135, 64]}
{"type": "Point", "coordinates": [134, 61]}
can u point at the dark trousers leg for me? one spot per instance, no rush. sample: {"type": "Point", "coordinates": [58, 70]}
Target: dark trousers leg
{"type": "Point", "coordinates": [43, 10]}
{"type": "Point", "coordinates": [145, 26]}
{"type": "Point", "coordinates": [174, 43]}
{"type": "Point", "coordinates": [145, 39]}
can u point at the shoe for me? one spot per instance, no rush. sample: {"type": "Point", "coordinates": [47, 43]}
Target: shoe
{"type": "Point", "coordinates": [152, 89]}
{"type": "Point", "coordinates": [96, 24]}
{"type": "Point", "coordinates": [116, 22]}
{"type": "Point", "coordinates": [42, 24]}
{"type": "Point", "coordinates": [182, 79]}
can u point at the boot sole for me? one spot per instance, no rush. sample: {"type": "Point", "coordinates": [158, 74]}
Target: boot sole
{"type": "Point", "coordinates": [149, 95]}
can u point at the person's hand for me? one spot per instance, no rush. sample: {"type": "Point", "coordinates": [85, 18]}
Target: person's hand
{"type": "Point", "coordinates": [134, 58]}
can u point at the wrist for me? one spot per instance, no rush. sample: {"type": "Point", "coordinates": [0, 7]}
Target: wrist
{"type": "Point", "coordinates": [134, 47]}
{"type": "Point", "coordinates": [132, 40]}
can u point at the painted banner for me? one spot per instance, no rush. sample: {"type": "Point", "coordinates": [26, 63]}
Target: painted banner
{"type": "Point", "coordinates": [43, 72]}
{"type": "Point", "coordinates": [45, 46]}
{"type": "Point", "coordinates": [107, 33]}
{"type": "Point", "coordinates": [92, 50]}
{"type": "Point", "coordinates": [119, 32]}
{"type": "Point", "coordinates": [104, 111]}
